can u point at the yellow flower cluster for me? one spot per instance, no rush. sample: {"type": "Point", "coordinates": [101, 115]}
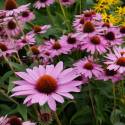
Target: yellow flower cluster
{"type": "Point", "coordinates": [111, 11]}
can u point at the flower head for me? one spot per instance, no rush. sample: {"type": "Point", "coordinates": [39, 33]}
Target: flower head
{"type": "Point", "coordinates": [40, 29]}
{"type": "Point", "coordinates": [88, 15]}
{"type": "Point", "coordinates": [94, 43]}
{"type": "Point", "coordinates": [70, 40]}
{"type": "Point", "coordinates": [67, 2]}
{"type": "Point", "coordinates": [28, 39]}
{"type": "Point", "coordinates": [14, 120]}
{"type": "Point", "coordinates": [55, 48]}
{"type": "Point", "coordinates": [46, 85]}
{"type": "Point", "coordinates": [112, 75]}
{"type": "Point", "coordinates": [12, 28]}
{"type": "Point", "coordinates": [116, 60]}
{"type": "Point", "coordinates": [43, 3]}
{"type": "Point", "coordinates": [12, 8]}
{"type": "Point", "coordinates": [113, 37]}
{"type": "Point", "coordinates": [7, 48]}
{"type": "Point", "coordinates": [27, 16]}
{"type": "Point", "coordinates": [88, 68]}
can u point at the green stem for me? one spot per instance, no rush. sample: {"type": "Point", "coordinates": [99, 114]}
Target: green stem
{"type": "Point", "coordinates": [18, 24]}
{"type": "Point", "coordinates": [80, 6]}
{"type": "Point", "coordinates": [12, 100]}
{"type": "Point", "coordinates": [114, 94]}
{"type": "Point", "coordinates": [7, 61]}
{"type": "Point", "coordinates": [50, 15]}
{"type": "Point", "coordinates": [92, 103]}
{"type": "Point", "coordinates": [64, 14]}
{"type": "Point", "coordinates": [11, 40]}
{"type": "Point", "coordinates": [57, 119]}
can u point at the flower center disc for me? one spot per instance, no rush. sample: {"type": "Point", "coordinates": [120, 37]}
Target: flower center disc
{"type": "Point", "coordinates": [35, 50]}
{"type": "Point", "coordinates": [11, 25]}
{"type": "Point", "coordinates": [37, 29]}
{"type": "Point", "coordinates": [122, 53]}
{"type": "Point", "coordinates": [95, 40]}
{"type": "Point", "coordinates": [88, 27]}
{"type": "Point", "coordinates": [82, 21]}
{"type": "Point", "coordinates": [88, 66]}
{"type": "Point", "coordinates": [46, 84]}
{"type": "Point", "coordinates": [65, 0]}
{"type": "Point", "coordinates": [3, 47]}
{"type": "Point", "coordinates": [89, 14]}
{"type": "Point", "coordinates": [121, 61]}
{"type": "Point", "coordinates": [122, 29]}
{"type": "Point", "coordinates": [110, 72]}
{"type": "Point", "coordinates": [71, 40]}
{"type": "Point", "coordinates": [106, 24]}
{"type": "Point", "coordinates": [25, 14]}
{"type": "Point", "coordinates": [56, 46]}
{"type": "Point", "coordinates": [14, 121]}
{"type": "Point", "coordinates": [43, 0]}
{"type": "Point", "coordinates": [45, 117]}
{"type": "Point", "coordinates": [110, 36]}
{"type": "Point", "coordinates": [10, 4]}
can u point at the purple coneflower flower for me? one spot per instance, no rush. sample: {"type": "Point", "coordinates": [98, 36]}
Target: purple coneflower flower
{"type": "Point", "coordinates": [43, 3]}
{"type": "Point", "coordinates": [27, 16]}
{"type": "Point", "coordinates": [13, 120]}
{"type": "Point", "coordinates": [46, 85]}
{"type": "Point", "coordinates": [67, 2]}
{"type": "Point", "coordinates": [116, 60]}
{"type": "Point", "coordinates": [12, 8]}
{"type": "Point", "coordinates": [88, 68]}
{"type": "Point", "coordinates": [94, 43]}
{"type": "Point", "coordinates": [112, 75]}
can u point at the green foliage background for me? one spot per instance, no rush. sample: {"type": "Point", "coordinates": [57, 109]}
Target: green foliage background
{"type": "Point", "coordinates": [96, 104]}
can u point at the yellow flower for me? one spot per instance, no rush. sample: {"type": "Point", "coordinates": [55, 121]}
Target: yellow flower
{"type": "Point", "coordinates": [109, 2]}
{"type": "Point", "coordinates": [120, 10]}
{"type": "Point", "coordinates": [110, 18]}
{"type": "Point", "coordinates": [100, 7]}
{"type": "Point", "coordinates": [103, 5]}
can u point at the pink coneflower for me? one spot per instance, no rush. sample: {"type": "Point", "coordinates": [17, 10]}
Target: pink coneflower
{"type": "Point", "coordinates": [27, 16]}
{"type": "Point", "coordinates": [12, 8]}
{"type": "Point", "coordinates": [56, 48]}
{"type": "Point", "coordinates": [70, 40]}
{"type": "Point", "coordinates": [13, 120]}
{"type": "Point", "coordinates": [122, 30]}
{"type": "Point", "coordinates": [35, 50]}
{"type": "Point", "coordinates": [12, 28]}
{"type": "Point", "coordinates": [113, 37]}
{"type": "Point", "coordinates": [112, 75]}
{"type": "Point", "coordinates": [87, 30]}
{"type": "Point", "coordinates": [28, 39]}
{"type": "Point", "coordinates": [43, 3]}
{"type": "Point", "coordinates": [107, 24]}
{"type": "Point", "coordinates": [7, 48]}
{"type": "Point", "coordinates": [88, 15]}
{"type": "Point", "coordinates": [40, 29]}
{"type": "Point", "coordinates": [116, 60]}
{"type": "Point", "coordinates": [3, 120]}
{"type": "Point", "coordinates": [67, 2]}
{"type": "Point", "coordinates": [83, 79]}
{"type": "Point", "coordinates": [46, 85]}
{"type": "Point", "coordinates": [88, 68]}
{"type": "Point", "coordinates": [45, 54]}
{"type": "Point", "coordinates": [94, 43]}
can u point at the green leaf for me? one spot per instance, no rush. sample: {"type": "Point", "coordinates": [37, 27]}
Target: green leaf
{"type": "Point", "coordinates": [5, 76]}
{"type": "Point", "coordinates": [11, 85]}
{"type": "Point", "coordinates": [18, 67]}
{"type": "Point", "coordinates": [115, 116]}
{"type": "Point", "coordinates": [82, 117]}
{"type": "Point", "coordinates": [23, 111]}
